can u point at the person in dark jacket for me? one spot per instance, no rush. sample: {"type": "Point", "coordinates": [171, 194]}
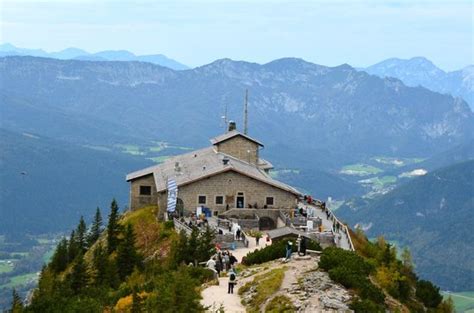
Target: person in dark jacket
{"type": "Point", "coordinates": [232, 281]}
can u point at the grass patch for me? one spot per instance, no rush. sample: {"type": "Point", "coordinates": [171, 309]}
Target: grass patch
{"type": "Point", "coordinates": [97, 148]}
{"type": "Point", "coordinates": [20, 280]}
{"type": "Point", "coordinates": [147, 214]}
{"type": "Point", "coordinates": [360, 170]}
{"type": "Point", "coordinates": [160, 159]}
{"type": "Point", "coordinates": [48, 255]}
{"type": "Point", "coordinates": [130, 149]}
{"type": "Point", "coordinates": [463, 301]}
{"type": "Point", "coordinates": [380, 182]}
{"type": "Point", "coordinates": [5, 267]}
{"type": "Point", "coordinates": [280, 304]}
{"type": "Point", "coordinates": [265, 286]}
{"type": "Point", "coordinates": [396, 162]}
{"type": "Point", "coordinates": [276, 173]}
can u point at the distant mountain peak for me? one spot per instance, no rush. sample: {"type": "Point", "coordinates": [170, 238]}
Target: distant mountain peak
{"type": "Point", "coordinates": [73, 53]}
{"type": "Point", "coordinates": [419, 71]}
{"type": "Point", "coordinates": [7, 47]}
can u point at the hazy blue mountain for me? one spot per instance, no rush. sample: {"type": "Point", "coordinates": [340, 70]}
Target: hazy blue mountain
{"type": "Point", "coordinates": [48, 184]}
{"type": "Point", "coordinates": [89, 58]}
{"type": "Point", "coordinates": [302, 111]}
{"type": "Point", "coordinates": [433, 215]}
{"type": "Point", "coordinates": [68, 53]}
{"type": "Point", "coordinates": [116, 55]}
{"type": "Point", "coordinates": [420, 71]}
{"type": "Point", "coordinates": [79, 54]}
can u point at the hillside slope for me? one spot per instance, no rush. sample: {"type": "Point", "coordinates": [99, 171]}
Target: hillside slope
{"type": "Point", "coordinates": [47, 184]}
{"type": "Point", "coordinates": [433, 215]}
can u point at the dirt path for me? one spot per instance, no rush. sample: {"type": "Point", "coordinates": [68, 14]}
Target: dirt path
{"type": "Point", "coordinates": [215, 296]}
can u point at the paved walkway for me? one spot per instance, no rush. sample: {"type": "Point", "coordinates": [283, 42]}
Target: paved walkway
{"type": "Point", "coordinates": [215, 296]}
{"type": "Point", "coordinates": [343, 242]}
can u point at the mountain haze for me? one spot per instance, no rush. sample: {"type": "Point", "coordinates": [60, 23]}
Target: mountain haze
{"type": "Point", "coordinates": [348, 114]}
{"type": "Point", "coordinates": [432, 215]}
{"type": "Point", "coordinates": [419, 71]}
{"type": "Point", "coordinates": [79, 54]}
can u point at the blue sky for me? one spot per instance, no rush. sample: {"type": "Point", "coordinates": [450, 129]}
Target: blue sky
{"type": "Point", "coordinates": [197, 32]}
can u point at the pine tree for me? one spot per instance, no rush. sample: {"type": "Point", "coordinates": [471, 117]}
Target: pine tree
{"type": "Point", "coordinates": [81, 235]}
{"type": "Point", "coordinates": [100, 262]}
{"type": "Point", "coordinates": [191, 247]}
{"type": "Point", "coordinates": [127, 255]}
{"type": "Point", "coordinates": [60, 258]}
{"type": "Point", "coordinates": [96, 228]}
{"type": "Point", "coordinates": [17, 304]}
{"type": "Point", "coordinates": [407, 259]}
{"type": "Point", "coordinates": [206, 246]}
{"type": "Point", "coordinates": [72, 247]}
{"type": "Point", "coordinates": [79, 277]}
{"type": "Point", "coordinates": [113, 228]}
{"type": "Point", "coordinates": [179, 250]}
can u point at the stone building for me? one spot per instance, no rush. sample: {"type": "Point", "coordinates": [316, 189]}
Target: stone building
{"type": "Point", "coordinates": [228, 174]}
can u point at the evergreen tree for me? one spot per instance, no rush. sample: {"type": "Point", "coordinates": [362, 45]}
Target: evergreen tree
{"type": "Point", "coordinates": [179, 250]}
{"type": "Point", "coordinates": [100, 262]}
{"type": "Point", "coordinates": [113, 228]}
{"type": "Point", "coordinates": [73, 247]}
{"type": "Point", "coordinates": [17, 304]}
{"type": "Point", "coordinates": [60, 258]}
{"type": "Point", "coordinates": [127, 255]}
{"type": "Point", "coordinates": [96, 228]}
{"type": "Point", "coordinates": [206, 247]}
{"type": "Point", "coordinates": [191, 247]}
{"type": "Point", "coordinates": [81, 235]}
{"type": "Point", "coordinates": [79, 277]}
{"type": "Point", "coordinates": [407, 260]}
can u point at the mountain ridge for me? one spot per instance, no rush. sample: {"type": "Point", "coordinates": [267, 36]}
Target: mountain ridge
{"type": "Point", "coordinates": [419, 71]}
{"type": "Point", "coordinates": [8, 49]}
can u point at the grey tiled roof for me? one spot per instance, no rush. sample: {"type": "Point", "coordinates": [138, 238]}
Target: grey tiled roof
{"type": "Point", "coordinates": [232, 134]}
{"type": "Point", "coordinates": [196, 165]}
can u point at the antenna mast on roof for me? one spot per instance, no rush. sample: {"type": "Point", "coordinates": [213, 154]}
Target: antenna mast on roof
{"type": "Point", "coordinates": [246, 111]}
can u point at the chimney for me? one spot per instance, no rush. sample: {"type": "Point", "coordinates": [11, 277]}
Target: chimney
{"type": "Point", "coordinates": [232, 126]}
{"type": "Point", "coordinates": [225, 161]}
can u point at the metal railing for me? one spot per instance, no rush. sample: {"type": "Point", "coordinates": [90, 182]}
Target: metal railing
{"type": "Point", "coordinates": [342, 226]}
{"type": "Point", "coordinates": [179, 226]}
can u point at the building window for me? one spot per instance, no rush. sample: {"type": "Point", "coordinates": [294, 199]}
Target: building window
{"type": "Point", "coordinates": [219, 199]}
{"type": "Point", "coordinates": [201, 199]}
{"type": "Point", "coordinates": [145, 190]}
{"type": "Point", "coordinates": [269, 201]}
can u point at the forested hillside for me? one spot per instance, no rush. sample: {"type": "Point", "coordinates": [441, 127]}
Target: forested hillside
{"type": "Point", "coordinates": [431, 215]}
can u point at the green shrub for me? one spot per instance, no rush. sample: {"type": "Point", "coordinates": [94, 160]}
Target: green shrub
{"type": "Point", "coordinates": [275, 251]}
{"type": "Point", "coordinates": [366, 306]}
{"type": "Point", "coordinates": [352, 271]}
{"type": "Point", "coordinates": [280, 304]}
{"type": "Point", "coordinates": [428, 293]}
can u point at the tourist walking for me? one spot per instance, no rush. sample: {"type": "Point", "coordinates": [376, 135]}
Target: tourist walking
{"type": "Point", "coordinates": [232, 261]}
{"type": "Point", "coordinates": [289, 250]}
{"type": "Point", "coordinates": [232, 281]}
{"type": "Point", "coordinates": [211, 264]}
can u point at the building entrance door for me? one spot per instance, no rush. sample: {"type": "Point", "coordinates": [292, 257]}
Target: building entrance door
{"type": "Point", "coordinates": [240, 202]}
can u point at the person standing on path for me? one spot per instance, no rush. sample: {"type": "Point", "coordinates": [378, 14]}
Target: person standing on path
{"type": "Point", "coordinates": [289, 250]}
{"type": "Point", "coordinates": [232, 281]}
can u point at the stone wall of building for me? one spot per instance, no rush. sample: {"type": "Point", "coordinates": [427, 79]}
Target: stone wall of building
{"type": "Point", "coordinates": [136, 200]}
{"type": "Point", "coordinates": [240, 148]}
{"type": "Point", "coordinates": [228, 185]}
